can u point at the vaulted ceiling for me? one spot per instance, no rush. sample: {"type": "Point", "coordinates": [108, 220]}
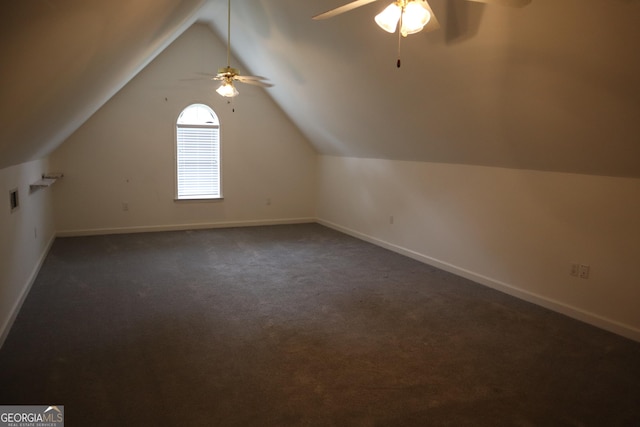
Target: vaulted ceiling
{"type": "Point", "coordinates": [552, 86]}
{"type": "Point", "coordinates": [63, 59]}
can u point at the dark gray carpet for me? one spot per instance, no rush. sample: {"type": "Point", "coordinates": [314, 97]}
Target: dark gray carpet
{"type": "Point", "coordinates": [298, 325]}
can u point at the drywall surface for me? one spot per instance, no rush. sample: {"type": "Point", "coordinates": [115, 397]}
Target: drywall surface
{"type": "Point", "coordinates": [63, 59]}
{"type": "Point", "coordinates": [552, 86]}
{"type": "Point", "coordinates": [25, 236]}
{"type": "Point", "coordinates": [515, 230]}
{"type": "Point", "coordinates": [124, 155]}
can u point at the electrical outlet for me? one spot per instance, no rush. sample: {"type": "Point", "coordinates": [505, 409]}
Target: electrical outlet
{"type": "Point", "coordinates": [575, 270]}
{"type": "Point", "coordinates": [125, 206]}
{"type": "Point", "coordinates": [584, 271]}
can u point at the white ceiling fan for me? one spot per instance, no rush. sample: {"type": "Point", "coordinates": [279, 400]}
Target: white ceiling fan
{"type": "Point", "coordinates": [408, 16]}
{"type": "Point", "coordinates": [229, 74]}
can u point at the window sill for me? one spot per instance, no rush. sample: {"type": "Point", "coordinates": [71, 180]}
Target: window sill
{"type": "Point", "coordinates": [203, 200]}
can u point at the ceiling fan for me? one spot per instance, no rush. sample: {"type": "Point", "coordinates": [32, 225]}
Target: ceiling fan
{"type": "Point", "coordinates": [229, 74]}
{"type": "Point", "coordinates": [410, 16]}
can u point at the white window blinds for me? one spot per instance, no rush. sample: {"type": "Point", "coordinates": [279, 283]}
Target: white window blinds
{"type": "Point", "coordinates": [198, 163]}
{"type": "Point", "coordinates": [198, 156]}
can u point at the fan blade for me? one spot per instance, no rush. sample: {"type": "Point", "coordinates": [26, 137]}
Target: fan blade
{"type": "Point", "coordinates": [206, 74]}
{"type": "Point", "coordinates": [342, 9]}
{"type": "Point", "coordinates": [256, 83]}
{"type": "Point", "coordinates": [509, 3]}
{"type": "Point", "coordinates": [254, 78]}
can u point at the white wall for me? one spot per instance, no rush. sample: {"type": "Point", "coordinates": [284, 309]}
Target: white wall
{"type": "Point", "coordinates": [125, 153]}
{"type": "Point", "coordinates": [515, 230]}
{"type": "Point", "coordinates": [25, 236]}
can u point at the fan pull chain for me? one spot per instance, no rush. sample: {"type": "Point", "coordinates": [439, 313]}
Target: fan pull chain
{"type": "Point", "coordinates": [398, 63]}
{"type": "Point", "coordinates": [399, 37]}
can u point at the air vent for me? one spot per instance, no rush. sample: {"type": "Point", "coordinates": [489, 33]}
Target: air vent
{"type": "Point", "coordinates": [13, 199]}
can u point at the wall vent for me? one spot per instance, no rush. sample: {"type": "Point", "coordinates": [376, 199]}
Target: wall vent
{"type": "Point", "coordinates": [14, 201]}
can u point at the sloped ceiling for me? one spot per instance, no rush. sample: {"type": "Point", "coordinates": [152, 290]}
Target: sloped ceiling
{"type": "Point", "coordinates": [63, 59]}
{"type": "Point", "coordinates": [552, 86]}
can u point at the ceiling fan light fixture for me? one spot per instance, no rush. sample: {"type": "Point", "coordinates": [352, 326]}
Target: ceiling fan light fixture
{"type": "Point", "coordinates": [389, 17]}
{"type": "Point", "coordinates": [415, 17]}
{"type": "Point", "coordinates": [228, 90]}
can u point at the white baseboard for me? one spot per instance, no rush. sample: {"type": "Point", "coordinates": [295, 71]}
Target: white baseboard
{"type": "Point", "coordinates": [178, 227]}
{"type": "Point", "coordinates": [557, 306]}
{"type": "Point", "coordinates": [5, 328]}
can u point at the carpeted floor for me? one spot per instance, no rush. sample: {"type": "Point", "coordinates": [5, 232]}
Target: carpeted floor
{"type": "Point", "coordinates": [298, 326]}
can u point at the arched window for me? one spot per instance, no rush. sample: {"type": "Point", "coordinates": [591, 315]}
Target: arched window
{"type": "Point", "coordinates": [198, 154]}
